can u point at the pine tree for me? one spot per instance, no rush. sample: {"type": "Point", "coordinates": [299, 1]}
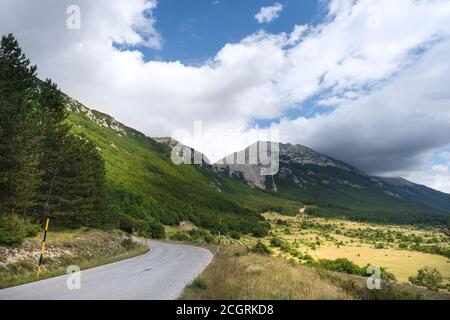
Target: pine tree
{"type": "Point", "coordinates": [19, 175]}
{"type": "Point", "coordinates": [77, 197]}
{"type": "Point", "coordinates": [45, 170]}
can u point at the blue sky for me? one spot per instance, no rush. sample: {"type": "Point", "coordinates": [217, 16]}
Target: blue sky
{"type": "Point", "coordinates": [194, 31]}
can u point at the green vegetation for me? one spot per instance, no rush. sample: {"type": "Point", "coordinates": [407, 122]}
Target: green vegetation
{"type": "Point", "coordinates": [45, 170]}
{"type": "Point", "coordinates": [82, 168]}
{"type": "Point", "coordinates": [86, 248]}
{"type": "Point", "coordinates": [342, 265]}
{"type": "Point", "coordinates": [238, 273]}
{"type": "Point", "coordinates": [261, 248]}
{"type": "Point", "coordinates": [338, 193]}
{"type": "Point", "coordinates": [193, 236]}
{"type": "Point", "coordinates": [199, 283]}
{"type": "Point", "coordinates": [429, 278]}
{"type": "Point", "coordinates": [14, 229]}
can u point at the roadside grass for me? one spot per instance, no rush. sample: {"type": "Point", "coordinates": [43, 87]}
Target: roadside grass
{"type": "Point", "coordinates": [86, 248]}
{"type": "Point", "coordinates": [199, 283]}
{"type": "Point", "coordinates": [237, 274]}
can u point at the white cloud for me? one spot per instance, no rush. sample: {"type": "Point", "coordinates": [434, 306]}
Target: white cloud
{"type": "Point", "coordinates": [436, 176]}
{"type": "Point", "coordinates": [270, 13]}
{"type": "Point", "coordinates": [297, 34]}
{"type": "Point", "coordinates": [391, 103]}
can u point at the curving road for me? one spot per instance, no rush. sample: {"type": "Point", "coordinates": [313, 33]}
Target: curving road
{"type": "Point", "coordinates": [160, 274]}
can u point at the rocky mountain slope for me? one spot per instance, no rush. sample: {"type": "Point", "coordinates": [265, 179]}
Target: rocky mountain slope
{"type": "Point", "coordinates": [335, 186]}
{"type": "Point", "coordinates": [143, 183]}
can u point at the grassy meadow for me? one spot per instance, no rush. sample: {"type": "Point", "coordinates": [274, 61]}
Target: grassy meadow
{"type": "Point", "coordinates": [296, 245]}
{"type": "Point", "coordinates": [392, 247]}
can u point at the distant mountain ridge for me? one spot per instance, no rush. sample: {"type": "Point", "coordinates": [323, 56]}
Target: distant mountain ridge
{"type": "Point", "coordinates": [140, 168]}
{"type": "Point", "coordinates": [310, 177]}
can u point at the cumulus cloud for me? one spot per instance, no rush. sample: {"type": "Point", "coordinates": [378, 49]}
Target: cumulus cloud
{"type": "Point", "coordinates": [270, 13]}
{"type": "Point", "coordinates": [436, 176]}
{"type": "Point", "coordinates": [381, 68]}
{"type": "Point", "coordinates": [390, 129]}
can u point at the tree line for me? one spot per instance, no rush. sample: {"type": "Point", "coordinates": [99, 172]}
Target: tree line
{"type": "Point", "coordinates": [45, 169]}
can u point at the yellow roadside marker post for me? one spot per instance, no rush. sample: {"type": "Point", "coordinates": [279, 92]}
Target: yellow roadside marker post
{"type": "Point", "coordinates": [42, 248]}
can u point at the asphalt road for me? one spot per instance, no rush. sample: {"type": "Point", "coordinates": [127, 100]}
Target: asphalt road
{"type": "Point", "coordinates": [158, 275]}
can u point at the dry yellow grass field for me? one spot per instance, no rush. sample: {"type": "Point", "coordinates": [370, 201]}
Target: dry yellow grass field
{"type": "Point", "coordinates": [236, 275]}
{"type": "Point", "coordinates": [402, 263]}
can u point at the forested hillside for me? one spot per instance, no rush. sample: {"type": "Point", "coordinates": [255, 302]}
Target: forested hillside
{"type": "Point", "coordinates": [144, 188]}
{"type": "Point", "coordinates": [80, 167]}
{"type": "Point", "coordinates": [45, 169]}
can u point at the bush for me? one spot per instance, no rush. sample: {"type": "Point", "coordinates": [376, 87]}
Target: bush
{"type": "Point", "coordinates": [276, 242]}
{"type": "Point", "coordinates": [308, 259]}
{"type": "Point", "coordinates": [128, 244]}
{"type": "Point", "coordinates": [199, 283]}
{"type": "Point", "coordinates": [429, 278]}
{"type": "Point", "coordinates": [261, 230]}
{"type": "Point", "coordinates": [235, 235]}
{"type": "Point", "coordinates": [14, 229]}
{"type": "Point", "coordinates": [200, 235]}
{"type": "Point", "coordinates": [342, 265]}
{"type": "Point", "coordinates": [180, 236]}
{"type": "Point", "coordinates": [157, 231]}
{"type": "Point", "coordinates": [261, 248]}
{"type": "Point", "coordinates": [286, 246]}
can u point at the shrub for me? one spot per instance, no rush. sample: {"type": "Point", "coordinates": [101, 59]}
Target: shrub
{"type": "Point", "coordinates": [276, 242]}
{"type": "Point", "coordinates": [199, 283]}
{"type": "Point", "coordinates": [261, 248]}
{"type": "Point", "coordinates": [180, 236]}
{"type": "Point", "coordinates": [261, 230]}
{"type": "Point", "coordinates": [200, 235]}
{"type": "Point", "coordinates": [403, 245]}
{"type": "Point", "coordinates": [128, 244]}
{"type": "Point", "coordinates": [342, 265]}
{"type": "Point", "coordinates": [235, 235]}
{"type": "Point", "coordinates": [209, 238]}
{"type": "Point", "coordinates": [157, 231]}
{"type": "Point", "coordinates": [429, 278]}
{"type": "Point", "coordinates": [286, 246]}
{"type": "Point", "coordinates": [14, 229]}
{"type": "Point", "coordinates": [308, 259]}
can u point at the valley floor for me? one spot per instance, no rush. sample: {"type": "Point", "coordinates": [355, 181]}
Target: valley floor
{"type": "Point", "coordinates": [401, 250]}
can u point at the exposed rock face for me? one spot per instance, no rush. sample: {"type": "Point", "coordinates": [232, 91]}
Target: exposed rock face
{"type": "Point", "coordinates": [188, 154]}
{"type": "Point", "coordinates": [302, 155]}
{"type": "Point", "coordinates": [167, 140]}
{"type": "Point", "coordinates": [97, 117]}
{"type": "Point", "coordinates": [250, 173]}
{"type": "Point", "coordinates": [253, 164]}
{"type": "Point", "coordinates": [287, 155]}
{"type": "Point", "coordinates": [302, 169]}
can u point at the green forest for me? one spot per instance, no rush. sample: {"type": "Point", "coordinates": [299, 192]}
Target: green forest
{"type": "Point", "coordinates": [80, 167]}
{"type": "Point", "coordinates": [45, 169]}
{"type": "Point", "coordinates": [60, 164]}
